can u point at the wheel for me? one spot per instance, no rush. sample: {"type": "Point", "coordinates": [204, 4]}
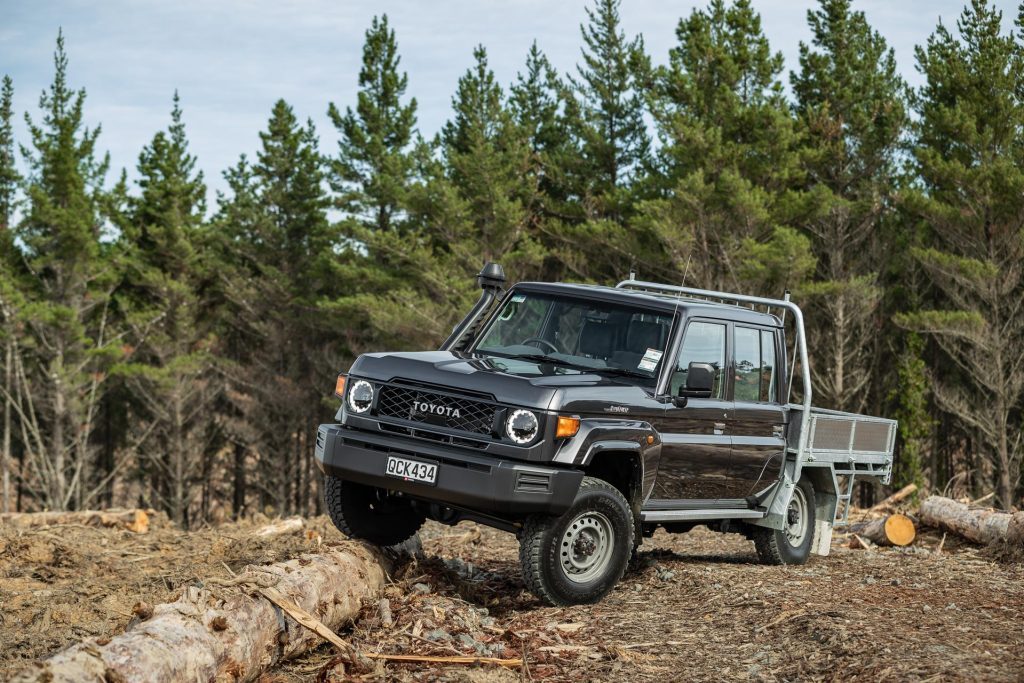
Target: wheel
{"type": "Point", "coordinates": [792, 544]}
{"type": "Point", "coordinates": [369, 513]}
{"type": "Point", "coordinates": [579, 557]}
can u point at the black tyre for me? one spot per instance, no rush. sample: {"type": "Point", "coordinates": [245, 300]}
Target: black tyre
{"type": "Point", "coordinates": [369, 513]}
{"type": "Point", "coordinates": [792, 544]}
{"type": "Point", "coordinates": [579, 557]}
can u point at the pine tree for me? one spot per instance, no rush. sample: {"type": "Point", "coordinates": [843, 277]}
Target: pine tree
{"type": "Point", "coordinates": [487, 182]}
{"type": "Point", "coordinates": [68, 343]}
{"type": "Point", "coordinates": [851, 106]}
{"type": "Point", "coordinates": [609, 86]}
{"type": "Point", "coordinates": [375, 166]}
{"type": "Point", "coordinates": [910, 396]}
{"type": "Point", "coordinates": [727, 159]}
{"type": "Point", "coordinates": [172, 371]}
{"type": "Point", "coordinates": [279, 248]}
{"type": "Point", "coordinates": [9, 179]}
{"type": "Point", "coordinates": [543, 108]}
{"type": "Point", "coordinates": [970, 160]}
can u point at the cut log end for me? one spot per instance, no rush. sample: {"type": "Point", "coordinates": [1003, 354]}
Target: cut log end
{"type": "Point", "coordinates": [895, 529]}
{"type": "Point", "coordinates": [899, 530]}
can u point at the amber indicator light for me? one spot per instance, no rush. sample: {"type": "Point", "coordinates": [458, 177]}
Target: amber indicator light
{"type": "Point", "coordinates": [567, 427]}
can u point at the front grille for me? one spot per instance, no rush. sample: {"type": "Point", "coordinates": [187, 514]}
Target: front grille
{"type": "Point", "coordinates": [462, 414]}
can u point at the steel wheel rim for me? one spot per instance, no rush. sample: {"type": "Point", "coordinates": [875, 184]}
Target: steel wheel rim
{"type": "Point", "coordinates": [586, 547]}
{"type": "Point", "coordinates": [796, 518]}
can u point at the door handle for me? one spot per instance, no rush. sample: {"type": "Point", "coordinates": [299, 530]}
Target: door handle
{"type": "Point", "coordinates": [719, 428]}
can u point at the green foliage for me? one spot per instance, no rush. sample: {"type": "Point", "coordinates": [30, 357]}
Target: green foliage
{"type": "Point", "coordinates": [728, 149]}
{"type": "Point", "coordinates": [171, 370]}
{"type": "Point", "coordinates": [68, 344]}
{"type": "Point", "coordinates": [909, 395]}
{"type": "Point", "coordinates": [194, 338]}
{"type": "Point", "coordinates": [373, 169]}
{"type": "Point", "coordinates": [610, 126]}
{"type": "Point", "coordinates": [970, 163]}
{"type": "Point", "coordinates": [9, 177]}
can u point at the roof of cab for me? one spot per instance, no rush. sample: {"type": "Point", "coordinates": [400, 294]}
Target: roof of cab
{"type": "Point", "coordinates": [661, 302]}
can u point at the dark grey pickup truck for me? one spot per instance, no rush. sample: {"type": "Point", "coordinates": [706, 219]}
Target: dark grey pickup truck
{"type": "Point", "coordinates": [581, 418]}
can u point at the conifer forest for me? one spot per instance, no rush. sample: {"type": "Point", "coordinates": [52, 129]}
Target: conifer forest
{"type": "Point", "coordinates": [165, 348]}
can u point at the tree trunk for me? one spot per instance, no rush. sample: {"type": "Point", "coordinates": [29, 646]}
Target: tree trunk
{"type": "Point", "coordinates": [132, 520]}
{"type": "Point", "coordinates": [894, 529]}
{"type": "Point", "coordinates": [975, 524]}
{"type": "Point", "coordinates": [895, 498]}
{"type": "Point", "coordinates": [5, 455]}
{"type": "Point", "coordinates": [227, 633]}
{"type": "Point", "coordinates": [238, 493]}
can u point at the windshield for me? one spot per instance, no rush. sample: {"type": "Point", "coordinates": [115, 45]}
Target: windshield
{"type": "Point", "coordinates": [578, 334]}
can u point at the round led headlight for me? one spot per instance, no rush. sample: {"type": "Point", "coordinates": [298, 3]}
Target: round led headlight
{"type": "Point", "coordinates": [360, 396]}
{"type": "Point", "coordinates": [522, 426]}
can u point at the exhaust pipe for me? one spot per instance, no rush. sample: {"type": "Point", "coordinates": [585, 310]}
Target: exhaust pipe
{"type": "Point", "coordinates": [490, 279]}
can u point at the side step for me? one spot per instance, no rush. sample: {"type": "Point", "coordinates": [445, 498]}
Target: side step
{"type": "Point", "coordinates": [696, 515]}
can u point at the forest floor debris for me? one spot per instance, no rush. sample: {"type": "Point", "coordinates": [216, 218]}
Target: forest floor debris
{"type": "Point", "coordinates": [697, 607]}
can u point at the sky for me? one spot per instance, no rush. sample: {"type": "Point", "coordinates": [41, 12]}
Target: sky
{"type": "Point", "coordinates": [230, 60]}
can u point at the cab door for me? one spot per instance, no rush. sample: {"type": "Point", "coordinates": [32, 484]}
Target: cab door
{"type": "Point", "coordinates": [758, 425]}
{"type": "Point", "coordinates": [696, 456]}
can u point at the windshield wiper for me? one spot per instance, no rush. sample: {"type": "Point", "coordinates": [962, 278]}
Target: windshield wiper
{"type": "Point", "coordinates": [544, 358]}
{"type": "Point", "coordinates": [623, 372]}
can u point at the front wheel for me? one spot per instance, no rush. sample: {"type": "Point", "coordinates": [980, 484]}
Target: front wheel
{"type": "Point", "coordinates": [792, 543]}
{"type": "Point", "coordinates": [579, 557]}
{"type": "Point", "coordinates": [370, 513]}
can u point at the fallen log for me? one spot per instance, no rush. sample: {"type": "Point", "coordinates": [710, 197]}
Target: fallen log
{"type": "Point", "coordinates": [283, 526]}
{"type": "Point", "coordinates": [894, 529]}
{"type": "Point", "coordinates": [895, 498]}
{"type": "Point", "coordinates": [981, 525]}
{"type": "Point", "coordinates": [231, 632]}
{"type": "Point", "coordinates": [134, 520]}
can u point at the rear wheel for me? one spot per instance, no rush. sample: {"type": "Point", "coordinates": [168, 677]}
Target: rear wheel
{"type": "Point", "coordinates": [792, 543]}
{"type": "Point", "coordinates": [370, 513]}
{"type": "Point", "coordinates": [579, 557]}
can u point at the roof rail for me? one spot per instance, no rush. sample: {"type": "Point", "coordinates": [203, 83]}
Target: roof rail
{"type": "Point", "coordinates": [738, 299]}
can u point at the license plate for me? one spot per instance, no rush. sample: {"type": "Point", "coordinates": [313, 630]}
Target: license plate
{"type": "Point", "coordinates": [411, 470]}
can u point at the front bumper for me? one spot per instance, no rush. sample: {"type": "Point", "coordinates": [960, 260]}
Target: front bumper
{"type": "Point", "coordinates": [464, 480]}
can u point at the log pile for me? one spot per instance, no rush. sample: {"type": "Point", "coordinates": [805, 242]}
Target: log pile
{"type": "Point", "coordinates": [228, 630]}
{"type": "Point", "coordinates": [981, 525]}
{"type": "Point", "coordinates": [136, 521]}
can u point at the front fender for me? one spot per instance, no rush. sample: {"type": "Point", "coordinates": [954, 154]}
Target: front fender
{"type": "Point", "coordinates": [608, 434]}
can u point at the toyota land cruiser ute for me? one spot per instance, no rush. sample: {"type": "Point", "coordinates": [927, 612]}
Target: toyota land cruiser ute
{"type": "Point", "coordinates": [581, 418]}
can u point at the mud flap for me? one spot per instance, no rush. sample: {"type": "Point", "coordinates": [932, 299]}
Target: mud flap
{"type": "Point", "coordinates": [822, 542]}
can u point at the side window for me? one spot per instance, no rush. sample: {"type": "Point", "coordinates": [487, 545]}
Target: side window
{"type": "Point", "coordinates": [755, 365]}
{"type": "Point", "coordinates": [703, 343]}
{"type": "Point", "coordinates": [748, 365]}
{"type": "Point", "coordinates": [768, 370]}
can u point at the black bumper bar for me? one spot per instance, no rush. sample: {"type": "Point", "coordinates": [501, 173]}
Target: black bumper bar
{"type": "Point", "coordinates": [464, 480]}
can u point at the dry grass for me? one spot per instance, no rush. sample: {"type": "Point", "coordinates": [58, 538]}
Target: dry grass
{"type": "Point", "coordinates": [699, 607]}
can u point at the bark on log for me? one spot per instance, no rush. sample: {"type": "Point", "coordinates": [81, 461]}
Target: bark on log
{"type": "Point", "coordinates": [981, 525]}
{"type": "Point", "coordinates": [281, 527]}
{"type": "Point", "coordinates": [897, 497]}
{"type": "Point", "coordinates": [227, 633]}
{"type": "Point", "coordinates": [132, 520]}
{"type": "Point", "coordinates": [895, 529]}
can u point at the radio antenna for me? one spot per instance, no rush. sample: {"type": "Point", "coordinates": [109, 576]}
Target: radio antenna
{"type": "Point", "coordinates": [686, 269]}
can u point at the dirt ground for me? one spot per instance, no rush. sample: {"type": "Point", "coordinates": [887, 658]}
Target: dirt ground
{"type": "Point", "coordinates": [699, 607]}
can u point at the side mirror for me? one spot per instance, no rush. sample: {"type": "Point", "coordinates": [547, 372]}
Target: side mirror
{"type": "Point", "coordinates": [700, 380]}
